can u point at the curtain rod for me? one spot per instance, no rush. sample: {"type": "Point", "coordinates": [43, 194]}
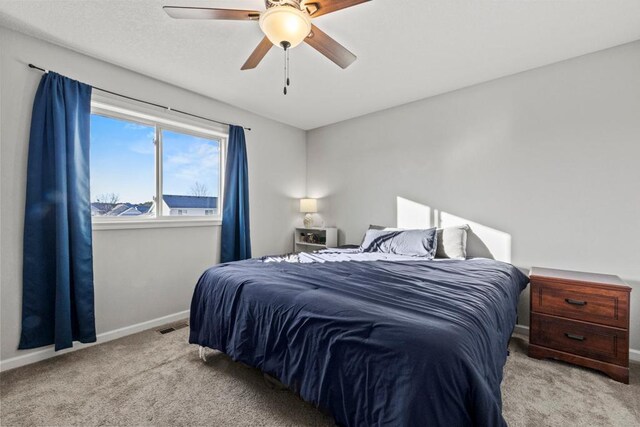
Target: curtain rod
{"type": "Point", "coordinates": [147, 102]}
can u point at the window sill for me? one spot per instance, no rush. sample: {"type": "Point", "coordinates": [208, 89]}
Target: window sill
{"type": "Point", "coordinates": [100, 225]}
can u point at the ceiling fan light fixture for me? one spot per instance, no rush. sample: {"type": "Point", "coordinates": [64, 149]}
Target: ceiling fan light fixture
{"type": "Point", "coordinates": [285, 24]}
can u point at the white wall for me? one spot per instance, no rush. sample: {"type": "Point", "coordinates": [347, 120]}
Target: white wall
{"type": "Point", "coordinates": [140, 274]}
{"type": "Point", "coordinates": [551, 157]}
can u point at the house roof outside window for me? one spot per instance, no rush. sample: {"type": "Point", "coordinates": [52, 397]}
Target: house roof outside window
{"type": "Point", "coordinates": [190, 202]}
{"type": "Point", "coordinates": [171, 200]}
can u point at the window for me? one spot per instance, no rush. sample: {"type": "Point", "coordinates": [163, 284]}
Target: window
{"type": "Point", "coordinates": [144, 167]}
{"type": "Point", "coordinates": [122, 167]}
{"type": "Point", "coordinates": [190, 173]}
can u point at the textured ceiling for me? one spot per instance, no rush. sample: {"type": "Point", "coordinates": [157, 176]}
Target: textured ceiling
{"type": "Point", "coordinates": [407, 50]}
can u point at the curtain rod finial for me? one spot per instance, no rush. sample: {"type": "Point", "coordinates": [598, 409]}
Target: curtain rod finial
{"type": "Point", "coordinates": [35, 67]}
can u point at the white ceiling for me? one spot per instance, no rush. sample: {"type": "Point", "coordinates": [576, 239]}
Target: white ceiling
{"type": "Point", "coordinates": [407, 49]}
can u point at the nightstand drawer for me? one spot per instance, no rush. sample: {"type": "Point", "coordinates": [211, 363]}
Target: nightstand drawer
{"type": "Point", "coordinates": [581, 302]}
{"type": "Point", "coordinates": [592, 341]}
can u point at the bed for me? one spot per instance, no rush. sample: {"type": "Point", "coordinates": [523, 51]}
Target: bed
{"type": "Point", "coordinates": [372, 339]}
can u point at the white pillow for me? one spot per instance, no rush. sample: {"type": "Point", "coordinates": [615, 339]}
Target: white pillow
{"type": "Point", "coordinates": [452, 242]}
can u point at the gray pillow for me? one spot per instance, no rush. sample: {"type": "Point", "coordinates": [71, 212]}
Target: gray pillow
{"type": "Point", "coordinates": [452, 242]}
{"type": "Point", "coordinates": [377, 227]}
{"type": "Point", "coordinates": [421, 243]}
{"type": "Point", "coordinates": [374, 227]}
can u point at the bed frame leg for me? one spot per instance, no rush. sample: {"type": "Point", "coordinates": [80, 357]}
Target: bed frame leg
{"type": "Point", "coordinates": [201, 352]}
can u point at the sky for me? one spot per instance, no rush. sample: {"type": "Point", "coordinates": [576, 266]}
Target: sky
{"type": "Point", "coordinates": [123, 161]}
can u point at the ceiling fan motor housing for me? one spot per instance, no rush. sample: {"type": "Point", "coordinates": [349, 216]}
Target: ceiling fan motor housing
{"type": "Point", "coordinates": [285, 23]}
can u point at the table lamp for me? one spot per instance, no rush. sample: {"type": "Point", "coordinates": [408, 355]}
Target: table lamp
{"type": "Point", "coordinates": [307, 207]}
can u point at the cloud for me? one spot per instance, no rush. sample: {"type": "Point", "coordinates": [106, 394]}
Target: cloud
{"type": "Point", "coordinates": [136, 126]}
{"type": "Point", "coordinates": [195, 162]}
{"type": "Point", "coordinates": [146, 145]}
{"type": "Point", "coordinates": [143, 147]}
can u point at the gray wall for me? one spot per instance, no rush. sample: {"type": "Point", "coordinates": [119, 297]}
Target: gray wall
{"type": "Point", "coordinates": [550, 157]}
{"type": "Point", "coordinates": [140, 274]}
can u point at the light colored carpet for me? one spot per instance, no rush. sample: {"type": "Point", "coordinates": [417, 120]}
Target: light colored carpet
{"type": "Point", "coordinates": [153, 379]}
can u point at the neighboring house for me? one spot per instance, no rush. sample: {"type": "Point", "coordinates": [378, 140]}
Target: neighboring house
{"type": "Point", "coordinates": [120, 209]}
{"type": "Point", "coordinates": [175, 205]}
{"type": "Point", "coordinates": [128, 209]}
{"type": "Point", "coordinates": [95, 210]}
{"type": "Point", "coordinates": [99, 209]}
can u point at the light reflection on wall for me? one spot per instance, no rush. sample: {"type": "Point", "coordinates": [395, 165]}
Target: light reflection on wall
{"type": "Point", "coordinates": [482, 241]}
{"type": "Point", "coordinates": [412, 214]}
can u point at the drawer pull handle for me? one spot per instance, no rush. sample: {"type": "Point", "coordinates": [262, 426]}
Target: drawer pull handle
{"type": "Point", "coordinates": [574, 337]}
{"type": "Point", "coordinates": [575, 301]}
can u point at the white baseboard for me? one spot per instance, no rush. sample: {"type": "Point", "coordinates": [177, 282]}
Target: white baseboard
{"type": "Point", "coordinates": [634, 354]}
{"type": "Point", "coordinates": [48, 352]}
{"type": "Point", "coordinates": [521, 329]}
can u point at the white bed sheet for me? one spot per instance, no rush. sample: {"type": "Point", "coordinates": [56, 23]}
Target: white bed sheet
{"type": "Point", "coordinates": [340, 255]}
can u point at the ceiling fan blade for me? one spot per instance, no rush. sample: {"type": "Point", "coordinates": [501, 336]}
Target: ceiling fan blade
{"type": "Point", "coordinates": [179, 12]}
{"type": "Point", "coordinates": [322, 7]}
{"type": "Point", "coordinates": [330, 48]}
{"type": "Point", "coordinates": [257, 55]}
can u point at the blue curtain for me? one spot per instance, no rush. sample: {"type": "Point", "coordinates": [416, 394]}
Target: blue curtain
{"type": "Point", "coordinates": [236, 240]}
{"type": "Point", "coordinates": [57, 299]}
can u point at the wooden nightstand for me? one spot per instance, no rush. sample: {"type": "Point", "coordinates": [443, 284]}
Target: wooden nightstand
{"type": "Point", "coordinates": [580, 318]}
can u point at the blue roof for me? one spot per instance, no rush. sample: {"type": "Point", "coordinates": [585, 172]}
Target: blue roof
{"type": "Point", "coordinates": [102, 207]}
{"type": "Point", "coordinates": [193, 202]}
{"type": "Point", "coordinates": [119, 209]}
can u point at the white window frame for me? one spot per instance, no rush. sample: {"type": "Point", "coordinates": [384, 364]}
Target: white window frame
{"type": "Point", "coordinates": [161, 119]}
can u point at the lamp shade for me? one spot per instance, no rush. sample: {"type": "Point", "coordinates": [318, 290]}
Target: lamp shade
{"type": "Point", "coordinates": [308, 205]}
{"type": "Point", "coordinates": [285, 24]}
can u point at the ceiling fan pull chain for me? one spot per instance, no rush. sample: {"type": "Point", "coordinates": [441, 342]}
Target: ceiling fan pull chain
{"type": "Point", "coordinates": [285, 71]}
{"type": "Point", "coordinates": [286, 45]}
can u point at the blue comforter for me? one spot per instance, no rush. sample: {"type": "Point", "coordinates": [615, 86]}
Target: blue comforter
{"type": "Point", "coordinates": [394, 343]}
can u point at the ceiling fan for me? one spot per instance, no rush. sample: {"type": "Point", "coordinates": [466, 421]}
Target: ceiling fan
{"type": "Point", "coordinates": [285, 23]}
